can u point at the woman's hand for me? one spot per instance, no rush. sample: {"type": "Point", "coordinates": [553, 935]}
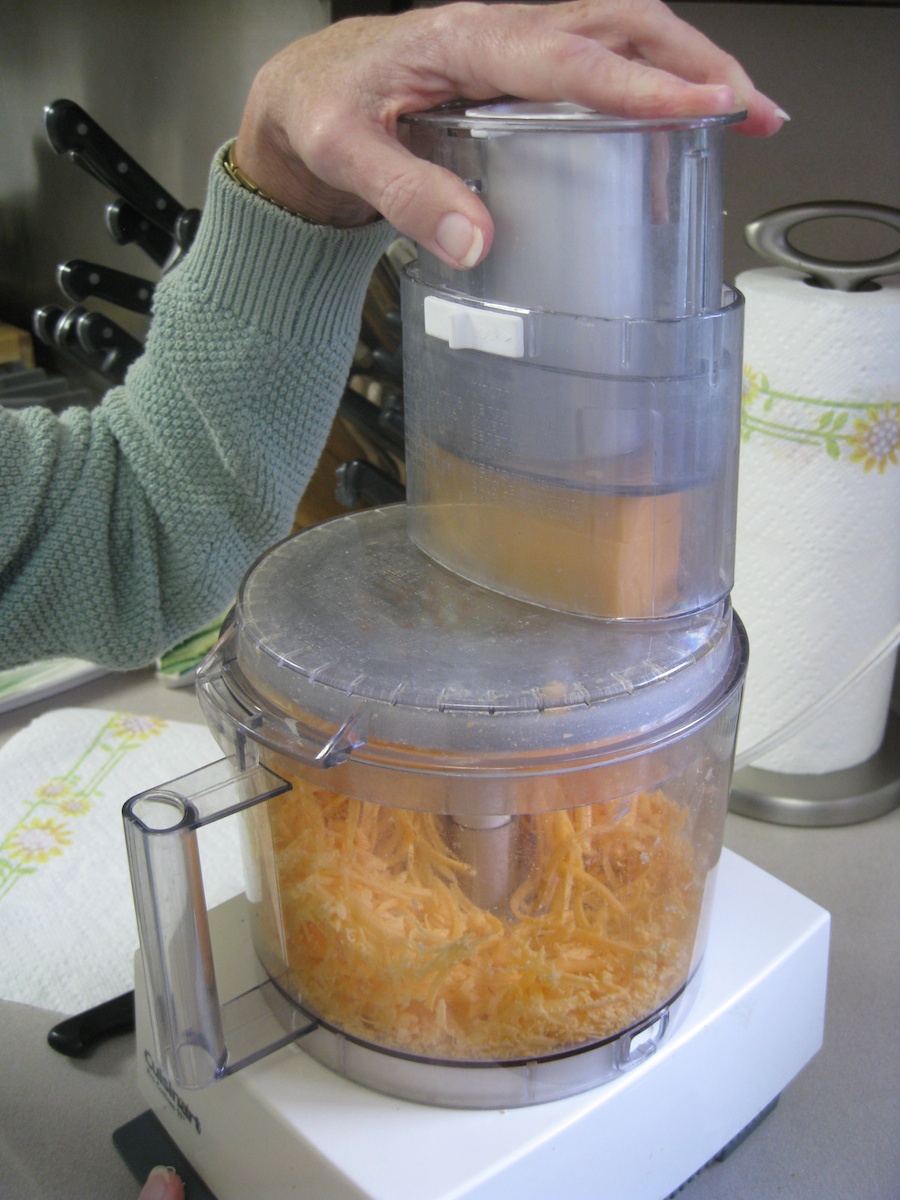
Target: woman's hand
{"type": "Point", "coordinates": [162, 1184]}
{"type": "Point", "coordinates": [319, 132]}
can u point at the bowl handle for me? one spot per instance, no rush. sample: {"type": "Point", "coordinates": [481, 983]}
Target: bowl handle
{"type": "Point", "coordinates": [189, 1025]}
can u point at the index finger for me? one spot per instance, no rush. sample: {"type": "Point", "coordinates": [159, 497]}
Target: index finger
{"type": "Point", "coordinates": [625, 57]}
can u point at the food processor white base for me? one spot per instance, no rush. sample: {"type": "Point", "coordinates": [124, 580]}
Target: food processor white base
{"type": "Point", "coordinates": [288, 1127]}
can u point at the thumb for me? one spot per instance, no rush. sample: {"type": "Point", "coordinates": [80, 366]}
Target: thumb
{"type": "Point", "coordinates": [424, 202]}
{"type": "Point", "coordinates": [162, 1184]}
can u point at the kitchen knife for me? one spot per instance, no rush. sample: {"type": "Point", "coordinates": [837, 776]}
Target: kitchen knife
{"type": "Point", "coordinates": [186, 227]}
{"type": "Point", "coordinates": [390, 361]}
{"type": "Point", "coordinates": [77, 1035]}
{"type": "Point", "coordinates": [128, 227]}
{"type": "Point", "coordinates": [367, 417]}
{"type": "Point", "coordinates": [56, 327]}
{"type": "Point", "coordinates": [66, 338]}
{"type": "Point", "coordinates": [72, 131]}
{"type": "Point", "coordinates": [392, 414]}
{"type": "Point", "coordinates": [44, 323]}
{"type": "Point", "coordinates": [80, 280]}
{"type": "Point", "coordinates": [99, 334]}
{"type": "Point", "coordinates": [359, 482]}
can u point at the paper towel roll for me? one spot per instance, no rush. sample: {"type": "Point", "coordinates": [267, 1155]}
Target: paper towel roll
{"type": "Point", "coordinates": [817, 573]}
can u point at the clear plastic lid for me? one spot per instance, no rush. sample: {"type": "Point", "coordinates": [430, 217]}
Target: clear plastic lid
{"type": "Point", "coordinates": [368, 647]}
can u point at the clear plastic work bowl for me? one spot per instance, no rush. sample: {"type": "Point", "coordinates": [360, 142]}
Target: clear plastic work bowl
{"type": "Point", "coordinates": [482, 835]}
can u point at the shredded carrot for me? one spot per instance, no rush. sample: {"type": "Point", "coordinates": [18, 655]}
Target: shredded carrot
{"type": "Point", "coordinates": [383, 941]}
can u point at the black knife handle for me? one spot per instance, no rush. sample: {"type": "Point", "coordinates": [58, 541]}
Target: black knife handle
{"type": "Point", "coordinates": [99, 334]}
{"type": "Point", "coordinates": [186, 227]}
{"type": "Point", "coordinates": [127, 227]}
{"type": "Point", "coordinates": [65, 336]}
{"type": "Point", "coordinates": [60, 329]}
{"type": "Point", "coordinates": [76, 1036]}
{"type": "Point", "coordinates": [112, 346]}
{"type": "Point", "coordinates": [72, 131]}
{"type": "Point", "coordinates": [44, 322]}
{"type": "Point", "coordinates": [80, 280]}
{"type": "Point", "coordinates": [359, 482]}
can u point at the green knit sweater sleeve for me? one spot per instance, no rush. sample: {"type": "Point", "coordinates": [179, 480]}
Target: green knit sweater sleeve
{"type": "Point", "coordinates": [126, 527]}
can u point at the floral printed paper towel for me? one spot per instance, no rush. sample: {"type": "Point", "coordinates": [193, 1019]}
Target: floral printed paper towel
{"type": "Point", "coordinates": [67, 925]}
{"type": "Point", "coordinates": [817, 571]}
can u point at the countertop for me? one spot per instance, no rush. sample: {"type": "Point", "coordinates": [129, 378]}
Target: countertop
{"type": "Point", "coordinates": [832, 1136]}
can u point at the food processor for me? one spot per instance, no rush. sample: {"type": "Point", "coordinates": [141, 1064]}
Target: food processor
{"type": "Point", "coordinates": [481, 743]}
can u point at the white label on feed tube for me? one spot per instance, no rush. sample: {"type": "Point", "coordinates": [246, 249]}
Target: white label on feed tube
{"type": "Point", "coordinates": [466, 328]}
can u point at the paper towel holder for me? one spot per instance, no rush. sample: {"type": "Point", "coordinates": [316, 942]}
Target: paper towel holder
{"type": "Point", "coordinates": [768, 236]}
{"type": "Point", "coordinates": [846, 797]}
{"type": "Point", "coordinates": [871, 788]}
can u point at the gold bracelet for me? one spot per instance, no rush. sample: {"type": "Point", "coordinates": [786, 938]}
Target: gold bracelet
{"type": "Point", "coordinates": [242, 180]}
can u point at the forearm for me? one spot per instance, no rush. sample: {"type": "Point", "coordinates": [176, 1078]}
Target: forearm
{"type": "Point", "coordinates": [133, 524]}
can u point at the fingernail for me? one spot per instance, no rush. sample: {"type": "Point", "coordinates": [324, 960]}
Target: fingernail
{"type": "Point", "coordinates": [157, 1185]}
{"type": "Point", "coordinates": [459, 239]}
{"type": "Point", "coordinates": [779, 111]}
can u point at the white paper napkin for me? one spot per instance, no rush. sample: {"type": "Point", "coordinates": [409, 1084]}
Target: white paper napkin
{"type": "Point", "coordinates": [67, 925]}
